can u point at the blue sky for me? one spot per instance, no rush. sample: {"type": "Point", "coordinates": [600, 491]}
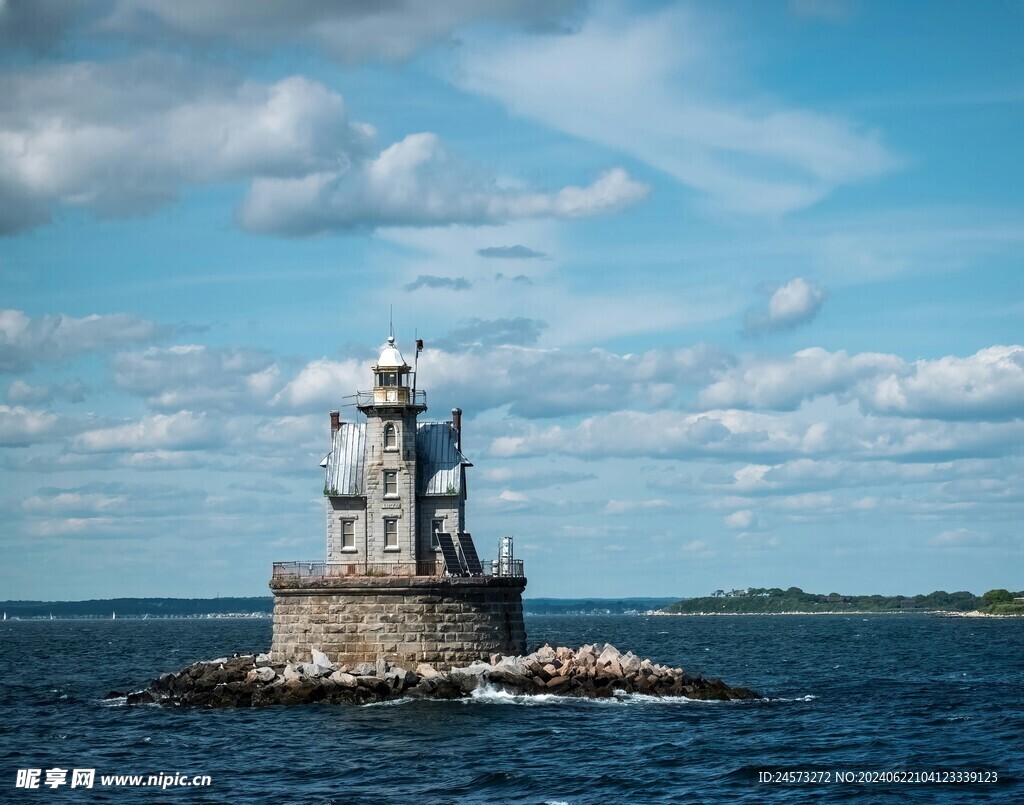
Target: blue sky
{"type": "Point", "coordinates": [730, 293]}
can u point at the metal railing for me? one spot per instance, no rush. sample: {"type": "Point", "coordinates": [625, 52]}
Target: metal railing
{"type": "Point", "coordinates": [285, 572]}
{"type": "Point", "coordinates": [510, 568]}
{"type": "Point", "coordinates": [327, 570]}
{"type": "Point", "coordinates": [391, 395]}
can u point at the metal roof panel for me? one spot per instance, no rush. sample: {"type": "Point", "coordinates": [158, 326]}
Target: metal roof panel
{"type": "Point", "coordinates": [344, 475]}
{"type": "Point", "coordinates": [440, 461]}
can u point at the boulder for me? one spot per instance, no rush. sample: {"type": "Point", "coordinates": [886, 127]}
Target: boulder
{"type": "Point", "coordinates": [312, 670]}
{"type": "Point", "coordinates": [545, 654]}
{"type": "Point", "coordinates": [343, 679]}
{"type": "Point", "coordinates": [606, 656]}
{"type": "Point", "coordinates": [261, 660]}
{"type": "Point", "coordinates": [323, 661]}
{"type": "Point", "coordinates": [262, 674]}
{"type": "Point", "coordinates": [592, 671]}
{"type": "Point", "coordinates": [630, 664]}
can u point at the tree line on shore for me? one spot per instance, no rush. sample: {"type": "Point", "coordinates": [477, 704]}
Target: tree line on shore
{"type": "Point", "coordinates": [793, 599]}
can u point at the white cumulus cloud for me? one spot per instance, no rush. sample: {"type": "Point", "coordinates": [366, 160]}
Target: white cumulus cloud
{"type": "Point", "coordinates": [25, 340]}
{"type": "Point", "coordinates": [790, 305]}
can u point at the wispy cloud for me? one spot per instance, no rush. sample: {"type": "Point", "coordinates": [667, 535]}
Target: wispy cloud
{"type": "Point", "coordinates": [26, 341]}
{"type": "Point", "coordinates": [431, 281]}
{"type": "Point", "coordinates": [623, 72]}
{"type": "Point", "coordinates": [516, 252]}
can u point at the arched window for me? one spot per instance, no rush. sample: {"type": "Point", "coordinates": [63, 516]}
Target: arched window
{"type": "Point", "coordinates": [390, 437]}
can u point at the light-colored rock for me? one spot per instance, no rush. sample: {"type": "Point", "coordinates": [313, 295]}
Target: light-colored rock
{"type": "Point", "coordinates": [544, 654]}
{"type": "Point", "coordinates": [262, 674]}
{"type": "Point", "coordinates": [495, 659]}
{"type": "Point", "coordinates": [513, 665]}
{"type": "Point", "coordinates": [425, 671]}
{"type": "Point", "coordinates": [291, 673]}
{"type": "Point", "coordinates": [383, 666]}
{"type": "Point", "coordinates": [608, 654]}
{"type": "Point", "coordinates": [262, 660]}
{"type": "Point", "coordinates": [365, 669]}
{"type": "Point", "coordinates": [343, 679]}
{"type": "Point", "coordinates": [322, 660]}
{"type": "Point", "coordinates": [630, 664]}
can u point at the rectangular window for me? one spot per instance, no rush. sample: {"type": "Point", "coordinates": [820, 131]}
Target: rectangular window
{"type": "Point", "coordinates": [348, 535]}
{"type": "Point", "coordinates": [435, 526]}
{"type": "Point", "coordinates": [390, 483]}
{"type": "Point", "coordinates": [390, 533]}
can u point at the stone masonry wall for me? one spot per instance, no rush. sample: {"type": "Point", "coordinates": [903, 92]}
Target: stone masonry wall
{"type": "Point", "coordinates": [444, 622]}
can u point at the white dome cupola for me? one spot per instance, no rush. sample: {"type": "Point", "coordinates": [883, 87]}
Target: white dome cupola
{"type": "Point", "coordinates": [393, 380]}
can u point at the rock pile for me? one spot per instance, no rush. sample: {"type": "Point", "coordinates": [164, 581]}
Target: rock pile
{"type": "Point", "coordinates": [593, 671]}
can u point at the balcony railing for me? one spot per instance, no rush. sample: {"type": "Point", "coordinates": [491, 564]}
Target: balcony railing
{"type": "Point", "coordinates": [285, 572]}
{"type": "Point", "coordinates": [327, 570]}
{"type": "Point", "coordinates": [391, 395]}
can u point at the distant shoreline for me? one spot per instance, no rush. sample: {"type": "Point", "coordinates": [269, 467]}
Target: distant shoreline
{"type": "Point", "coordinates": [942, 613]}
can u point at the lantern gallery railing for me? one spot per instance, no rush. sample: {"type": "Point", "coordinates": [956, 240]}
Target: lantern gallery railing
{"type": "Point", "coordinates": [285, 572]}
{"type": "Point", "coordinates": [391, 395]}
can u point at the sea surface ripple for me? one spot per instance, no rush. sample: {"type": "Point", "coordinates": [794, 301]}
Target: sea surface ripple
{"type": "Point", "coordinates": [850, 693]}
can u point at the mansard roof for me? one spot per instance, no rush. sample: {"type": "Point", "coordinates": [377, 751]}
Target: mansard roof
{"type": "Point", "coordinates": [439, 460]}
{"type": "Point", "coordinates": [346, 460]}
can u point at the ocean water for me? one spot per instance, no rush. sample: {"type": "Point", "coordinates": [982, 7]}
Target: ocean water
{"type": "Point", "coordinates": [843, 694]}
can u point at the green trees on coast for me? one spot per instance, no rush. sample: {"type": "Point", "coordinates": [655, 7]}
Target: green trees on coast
{"type": "Point", "coordinates": [775, 599]}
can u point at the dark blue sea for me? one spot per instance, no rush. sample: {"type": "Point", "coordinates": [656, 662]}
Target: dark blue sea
{"type": "Point", "coordinates": [875, 694]}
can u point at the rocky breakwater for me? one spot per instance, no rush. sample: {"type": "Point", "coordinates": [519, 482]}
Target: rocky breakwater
{"type": "Point", "coordinates": [593, 671]}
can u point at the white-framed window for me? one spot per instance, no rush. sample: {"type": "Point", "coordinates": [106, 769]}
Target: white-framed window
{"type": "Point", "coordinates": [435, 526]}
{"type": "Point", "coordinates": [391, 483]}
{"type": "Point", "coordinates": [390, 437]}
{"type": "Point", "coordinates": [390, 533]}
{"type": "Point", "coordinates": [348, 535]}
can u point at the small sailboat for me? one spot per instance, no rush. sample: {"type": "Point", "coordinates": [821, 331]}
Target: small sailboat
{"type": "Point", "coordinates": [113, 616]}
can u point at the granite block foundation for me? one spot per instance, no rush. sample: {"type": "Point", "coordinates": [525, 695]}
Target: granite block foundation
{"type": "Point", "coordinates": [444, 621]}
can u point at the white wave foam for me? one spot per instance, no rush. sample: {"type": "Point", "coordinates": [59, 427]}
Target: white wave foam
{"type": "Point", "coordinates": [808, 698]}
{"type": "Point", "coordinates": [390, 702]}
{"type": "Point", "coordinates": [489, 694]}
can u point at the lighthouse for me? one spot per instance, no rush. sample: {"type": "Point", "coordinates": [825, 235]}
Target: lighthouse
{"type": "Point", "coordinates": [402, 579]}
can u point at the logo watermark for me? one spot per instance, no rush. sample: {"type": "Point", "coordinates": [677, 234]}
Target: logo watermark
{"type": "Point", "coordinates": [87, 778]}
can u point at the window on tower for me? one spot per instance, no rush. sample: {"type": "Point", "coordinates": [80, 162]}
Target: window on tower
{"type": "Point", "coordinates": [390, 437]}
{"type": "Point", "coordinates": [391, 483]}
{"type": "Point", "coordinates": [348, 535]}
{"type": "Point", "coordinates": [390, 534]}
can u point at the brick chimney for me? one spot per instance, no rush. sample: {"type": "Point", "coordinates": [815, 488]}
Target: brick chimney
{"type": "Point", "coordinates": [335, 421]}
{"type": "Point", "coordinates": [457, 424]}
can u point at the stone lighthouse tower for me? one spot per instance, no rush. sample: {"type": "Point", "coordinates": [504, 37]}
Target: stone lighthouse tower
{"type": "Point", "coordinates": [402, 578]}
